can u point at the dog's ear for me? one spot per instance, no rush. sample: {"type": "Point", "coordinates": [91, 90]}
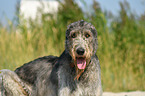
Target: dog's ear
{"type": "Point", "coordinates": [69, 28]}
{"type": "Point", "coordinates": [67, 33]}
{"type": "Point", "coordinates": [94, 31]}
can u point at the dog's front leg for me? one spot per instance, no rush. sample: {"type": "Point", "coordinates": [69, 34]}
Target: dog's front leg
{"type": "Point", "coordinates": [64, 91]}
{"type": "Point", "coordinates": [64, 82]}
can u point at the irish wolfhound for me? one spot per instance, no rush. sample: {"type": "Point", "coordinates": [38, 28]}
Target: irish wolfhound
{"type": "Point", "coordinates": [75, 73]}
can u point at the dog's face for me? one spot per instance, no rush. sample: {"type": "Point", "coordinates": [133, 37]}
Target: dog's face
{"type": "Point", "coordinates": [81, 42]}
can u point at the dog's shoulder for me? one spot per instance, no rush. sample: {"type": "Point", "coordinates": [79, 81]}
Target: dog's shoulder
{"type": "Point", "coordinates": [61, 63]}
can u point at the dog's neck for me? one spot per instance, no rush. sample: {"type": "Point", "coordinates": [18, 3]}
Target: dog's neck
{"type": "Point", "coordinates": [91, 67]}
{"type": "Point", "coordinates": [67, 62]}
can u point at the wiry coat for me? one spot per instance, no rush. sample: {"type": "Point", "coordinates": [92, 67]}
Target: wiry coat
{"type": "Point", "coordinates": [60, 76]}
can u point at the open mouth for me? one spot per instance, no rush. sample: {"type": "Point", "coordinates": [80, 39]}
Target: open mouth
{"type": "Point", "coordinates": [81, 63]}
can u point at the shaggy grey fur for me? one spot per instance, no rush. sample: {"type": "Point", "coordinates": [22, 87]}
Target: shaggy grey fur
{"type": "Point", "coordinates": [60, 76]}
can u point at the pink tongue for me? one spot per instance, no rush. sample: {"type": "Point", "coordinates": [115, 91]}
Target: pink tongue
{"type": "Point", "coordinates": [81, 63]}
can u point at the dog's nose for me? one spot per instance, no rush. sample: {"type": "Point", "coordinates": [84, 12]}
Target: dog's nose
{"type": "Point", "coordinates": [80, 51]}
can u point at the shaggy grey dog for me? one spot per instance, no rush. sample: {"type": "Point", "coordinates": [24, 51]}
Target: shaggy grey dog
{"type": "Point", "coordinates": [75, 73]}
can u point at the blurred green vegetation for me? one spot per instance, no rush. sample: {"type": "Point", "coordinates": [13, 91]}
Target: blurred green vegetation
{"type": "Point", "coordinates": [121, 44]}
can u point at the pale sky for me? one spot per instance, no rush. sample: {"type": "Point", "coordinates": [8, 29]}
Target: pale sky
{"type": "Point", "coordinates": [7, 7]}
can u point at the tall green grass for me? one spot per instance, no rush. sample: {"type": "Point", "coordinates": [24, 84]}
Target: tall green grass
{"type": "Point", "coordinates": [121, 45]}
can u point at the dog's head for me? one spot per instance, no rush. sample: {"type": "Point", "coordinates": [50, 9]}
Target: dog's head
{"type": "Point", "coordinates": [81, 42]}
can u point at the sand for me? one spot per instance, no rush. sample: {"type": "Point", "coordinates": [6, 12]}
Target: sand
{"type": "Point", "coordinates": [134, 93]}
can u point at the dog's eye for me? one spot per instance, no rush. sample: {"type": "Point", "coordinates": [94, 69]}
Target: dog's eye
{"type": "Point", "coordinates": [74, 35]}
{"type": "Point", "coordinates": [87, 35]}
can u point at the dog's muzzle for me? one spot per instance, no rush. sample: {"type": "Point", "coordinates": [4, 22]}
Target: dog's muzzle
{"type": "Point", "coordinates": [80, 58]}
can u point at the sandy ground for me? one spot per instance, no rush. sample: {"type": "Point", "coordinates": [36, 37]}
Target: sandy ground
{"type": "Point", "coordinates": [135, 93]}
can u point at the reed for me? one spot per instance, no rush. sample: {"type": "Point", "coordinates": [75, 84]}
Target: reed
{"type": "Point", "coordinates": [121, 45]}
